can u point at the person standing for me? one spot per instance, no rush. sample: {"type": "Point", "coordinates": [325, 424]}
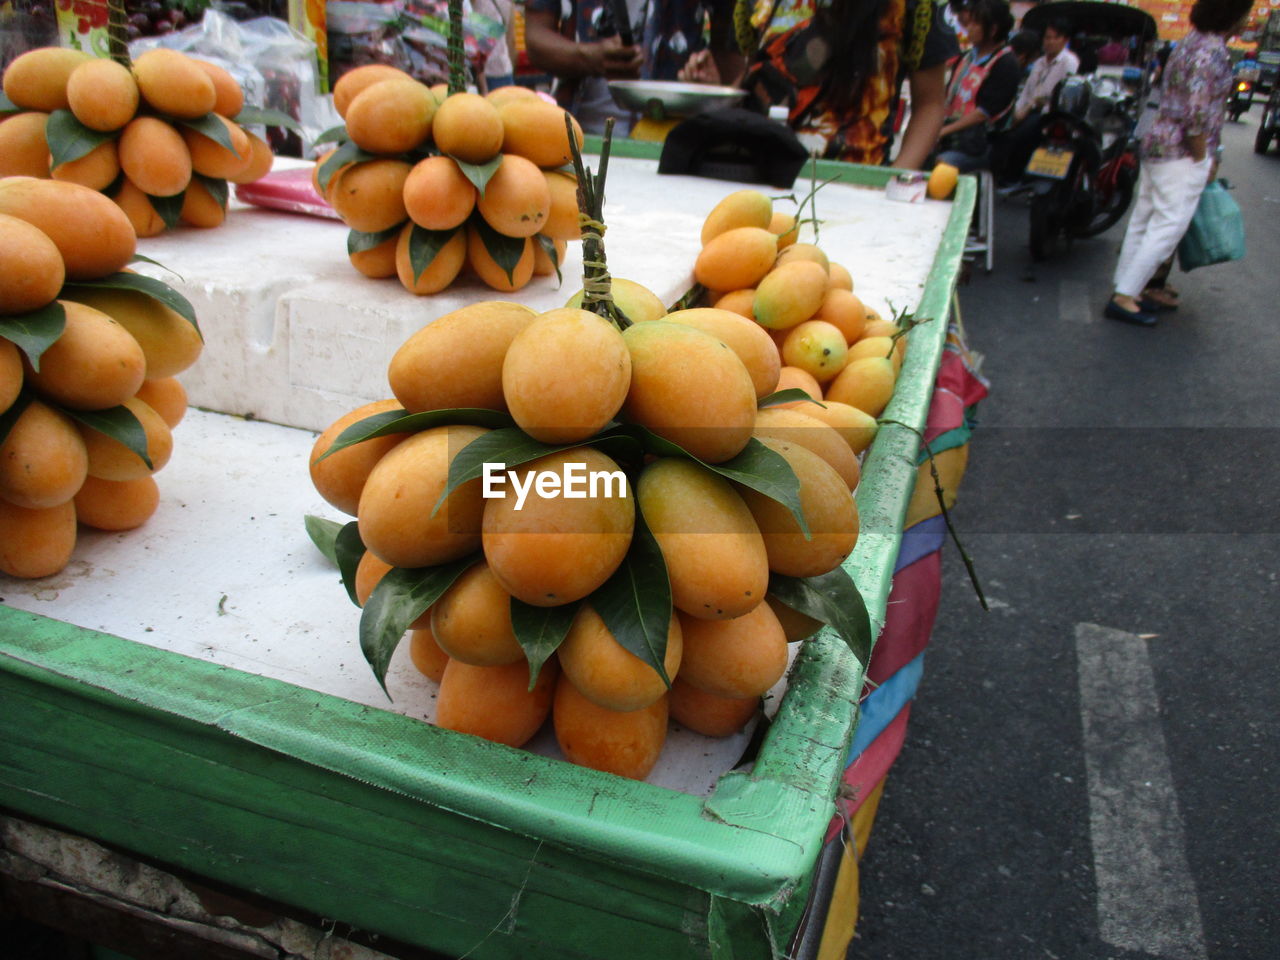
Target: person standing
{"type": "Point", "coordinates": [1177, 153]}
{"type": "Point", "coordinates": [982, 87]}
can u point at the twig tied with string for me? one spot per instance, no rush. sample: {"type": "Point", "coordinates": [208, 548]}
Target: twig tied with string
{"type": "Point", "coordinates": [117, 36]}
{"type": "Point", "coordinates": [597, 295]}
{"type": "Point", "coordinates": [456, 50]}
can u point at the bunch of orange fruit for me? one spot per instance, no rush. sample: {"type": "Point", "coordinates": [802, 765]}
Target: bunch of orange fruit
{"type": "Point", "coordinates": [431, 182]}
{"type": "Point", "coordinates": [88, 358]}
{"type": "Point", "coordinates": [665, 583]}
{"type": "Point", "coordinates": [159, 137]}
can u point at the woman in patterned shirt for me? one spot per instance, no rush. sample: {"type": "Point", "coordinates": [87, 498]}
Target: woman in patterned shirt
{"type": "Point", "coordinates": [1177, 153]}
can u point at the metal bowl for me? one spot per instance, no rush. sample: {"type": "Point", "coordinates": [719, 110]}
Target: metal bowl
{"type": "Point", "coordinates": [660, 99]}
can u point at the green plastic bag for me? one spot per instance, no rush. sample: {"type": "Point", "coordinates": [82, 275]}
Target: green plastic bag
{"type": "Point", "coordinates": [1216, 234]}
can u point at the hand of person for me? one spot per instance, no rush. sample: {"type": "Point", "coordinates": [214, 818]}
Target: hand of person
{"type": "Point", "coordinates": [700, 68]}
{"type": "Point", "coordinates": [612, 59]}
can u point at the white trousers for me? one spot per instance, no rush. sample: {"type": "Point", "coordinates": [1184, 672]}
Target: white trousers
{"type": "Point", "coordinates": [1168, 192]}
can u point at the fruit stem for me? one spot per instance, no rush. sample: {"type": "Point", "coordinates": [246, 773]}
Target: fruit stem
{"type": "Point", "coordinates": [456, 49]}
{"type": "Point", "coordinates": [117, 37]}
{"type": "Point", "coordinates": [597, 295]}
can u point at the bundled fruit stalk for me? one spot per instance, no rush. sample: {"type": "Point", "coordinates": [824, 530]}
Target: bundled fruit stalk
{"type": "Point", "coordinates": [161, 137]}
{"type": "Point", "coordinates": [591, 514]}
{"type": "Point", "coordinates": [88, 357]}
{"type": "Point", "coordinates": [832, 347]}
{"type": "Point", "coordinates": [431, 182]}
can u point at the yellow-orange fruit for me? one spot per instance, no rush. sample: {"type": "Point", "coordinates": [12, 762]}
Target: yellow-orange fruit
{"type": "Point", "coordinates": [844, 311]}
{"type": "Point", "coordinates": [747, 339]}
{"type": "Point", "coordinates": [140, 213]}
{"type": "Point", "coordinates": [391, 116]}
{"type": "Point", "coordinates": [102, 94]}
{"type": "Point", "coordinates": [10, 374]}
{"type": "Point", "coordinates": [709, 714]}
{"type": "Point", "coordinates": [565, 375]}
{"type": "Point", "coordinates": [369, 573]}
{"type": "Point", "coordinates": [472, 621]}
{"type": "Point", "coordinates": [715, 556]}
{"type": "Point", "coordinates": [879, 327]}
{"type": "Point", "coordinates": [828, 510]}
{"type": "Point", "coordinates": [96, 170]}
{"type": "Point", "coordinates": [516, 200]}
{"type": "Point", "coordinates": [838, 277]}
{"type": "Point", "coordinates": [468, 127]}
{"type": "Point", "coordinates": [789, 294]}
{"type": "Point", "coordinates": [440, 272]}
{"type": "Point", "coordinates": [491, 272]}
{"type": "Point", "coordinates": [942, 180]}
{"type": "Point", "coordinates": [736, 258]}
{"type": "Point", "coordinates": [796, 625]}
{"type": "Point", "coordinates": [556, 549]}
{"type": "Point", "coordinates": [637, 302]}
{"type": "Point", "coordinates": [351, 83]}
{"type": "Point", "coordinates": [626, 744]}
{"type": "Point", "coordinates": [474, 338]}
{"type": "Point", "coordinates": [174, 84]}
{"type": "Point", "coordinates": [438, 195]}
{"type": "Point", "coordinates": [369, 196]}
{"type": "Point", "coordinates": [866, 383]}
{"type": "Point", "coordinates": [427, 655]}
{"type": "Point", "coordinates": [340, 478]}
{"type": "Point", "coordinates": [155, 157]}
{"type": "Point", "coordinates": [785, 227]}
{"type": "Point", "coordinates": [200, 208]}
{"type": "Point", "coordinates": [608, 674]}
{"type": "Point", "coordinates": [259, 162]}
{"type": "Point", "coordinates": [742, 657]}
{"type": "Point", "coordinates": [739, 302]}
{"type": "Point", "coordinates": [30, 265]}
{"type": "Point", "coordinates": [93, 235]}
{"type": "Point", "coordinates": [742, 208]}
{"type": "Point", "coordinates": [43, 461]}
{"type": "Point", "coordinates": [793, 378]}
{"type": "Point", "coordinates": [689, 388]}
{"type": "Point", "coordinates": [440, 91]}
{"type": "Point", "coordinates": [211, 158]}
{"type": "Point", "coordinates": [377, 262]}
{"type": "Point", "coordinates": [816, 347]}
{"type": "Point", "coordinates": [170, 342]}
{"type": "Point", "coordinates": [167, 397]}
{"type": "Point", "coordinates": [535, 130]}
{"type": "Point", "coordinates": [855, 427]}
{"type": "Point", "coordinates": [543, 265]}
{"type": "Point", "coordinates": [112, 505]}
{"type": "Point", "coordinates": [796, 426]}
{"type": "Point", "coordinates": [879, 347]}
{"type": "Point", "coordinates": [397, 503]}
{"type": "Point", "coordinates": [228, 97]}
{"type": "Point", "coordinates": [109, 459]}
{"type": "Point", "coordinates": [804, 251]}
{"type": "Point", "coordinates": [95, 364]}
{"type": "Point", "coordinates": [562, 220]}
{"type": "Point", "coordinates": [495, 702]}
{"type": "Point", "coordinates": [37, 80]}
{"type": "Point", "coordinates": [36, 543]}
{"type": "Point", "coordinates": [24, 151]}
{"type": "Point", "coordinates": [512, 91]}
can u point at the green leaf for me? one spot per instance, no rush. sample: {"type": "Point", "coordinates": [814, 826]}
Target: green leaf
{"type": "Point", "coordinates": [119, 424]}
{"type": "Point", "coordinates": [400, 598]}
{"type": "Point", "coordinates": [34, 332]}
{"type": "Point", "coordinates": [153, 288]}
{"type": "Point", "coordinates": [790, 395]}
{"type": "Point", "coordinates": [336, 134]}
{"type": "Point", "coordinates": [424, 245]}
{"type": "Point", "coordinates": [210, 126]}
{"type": "Point", "coordinates": [251, 116]}
{"type": "Point", "coordinates": [505, 251]}
{"type": "Point", "coordinates": [348, 152]}
{"type": "Point", "coordinates": [324, 534]}
{"type": "Point", "coordinates": [9, 417]}
{"type": "Point", "coordinates": [217, 189]}
{"type": "Point", "coordinates": [7, 105]}
{"type": "Point", "coordinates": [348, 550]}
{"type": "Point", "coordinates": [549, 248]}
{"type": "Point", "coordinates": [69, 139]}
{"type": "Point", "coordinates": [139, 258]}
{"type": "Point", "coordinates": [358, 242]}
{"type": "Point", "coordinates": [401, 421]}
{"type": "Point", "coordinates": [832, 598]}
{"type": "Point", "coordinates": [169, 208]}
{"type": "Point", "coordinates": [479, 173]}
{"type": "Point", "coordinates": [635, 603]}
{"type": "Point", "coordinates": [540, 631]}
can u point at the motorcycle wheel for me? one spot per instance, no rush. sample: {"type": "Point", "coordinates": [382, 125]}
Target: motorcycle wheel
{"type": "Point", "coordinates": [1042, 226]}
{"type": "Point", "coordinates": [1117, 205]}
{"type": "Point", "coordinates": [1262, 141]}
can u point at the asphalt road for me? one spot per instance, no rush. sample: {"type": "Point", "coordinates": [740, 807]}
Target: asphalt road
{"type": "Point", "coordinates": [1091, 767]}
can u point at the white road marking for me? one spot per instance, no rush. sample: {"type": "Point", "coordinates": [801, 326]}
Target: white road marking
{"type": "Point", "coordinates": [1146, 896]}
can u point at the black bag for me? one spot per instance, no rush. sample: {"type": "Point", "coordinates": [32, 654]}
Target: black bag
{"type": "Point", "coordinates": [734, 144]}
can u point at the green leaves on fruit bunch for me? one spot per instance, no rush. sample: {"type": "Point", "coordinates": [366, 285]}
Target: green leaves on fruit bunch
{"type": "Point", "coordinates": [34, 332]}
{"type": "Point", "coordinates": [150, 286]}
{"type": "Point", "coordinates": [7, 106]}
{"type": "Point", "coordinates": [832, 598]}
{"type": "Point", "coordinates": [69, 139]}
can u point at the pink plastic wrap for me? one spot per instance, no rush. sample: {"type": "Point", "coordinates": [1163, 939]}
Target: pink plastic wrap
{"type": "Point", "coordinates": [290, 190]}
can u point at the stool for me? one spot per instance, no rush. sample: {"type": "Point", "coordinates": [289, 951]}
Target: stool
{"type": "Point", "coordinates": [981, 239]}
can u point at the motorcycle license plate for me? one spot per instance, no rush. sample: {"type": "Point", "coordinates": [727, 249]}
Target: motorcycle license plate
{"type": "Point", "coordinates": [1048, 162]}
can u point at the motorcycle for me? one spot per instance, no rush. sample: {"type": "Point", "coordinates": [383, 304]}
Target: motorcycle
{"type": "Point", "coordinates": [1241, 98]}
